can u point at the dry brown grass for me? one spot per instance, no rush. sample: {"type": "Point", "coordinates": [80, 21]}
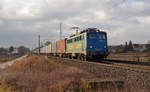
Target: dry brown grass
{"type": "Point", "coordinates": [142, 57]}
{"type": "Point", "coordinates": [35, 74]}
{"type": "Point", "coordinates": [3, 60]}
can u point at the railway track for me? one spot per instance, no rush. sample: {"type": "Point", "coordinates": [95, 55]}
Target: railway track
{"type": "Point", "coordinates": [132, 73]}
{"type": "Point", "coordinates": [128, 65]}
{"type": "Point", "coordinates": [142, 67]}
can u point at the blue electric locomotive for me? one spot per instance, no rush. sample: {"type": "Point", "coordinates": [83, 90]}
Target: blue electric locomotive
{"type": "Point", "coordinates": [89, 43]}
{"type": "Point", "coordinates": [96, 44]}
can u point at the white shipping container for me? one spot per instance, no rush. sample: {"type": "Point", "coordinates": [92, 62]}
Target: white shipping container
{"type": "Point", "coordinates": [53, 47]}
{"type": "Point", "coordinates": [46, 49]}
{"type": "Point", "coordinates": [49, 48]}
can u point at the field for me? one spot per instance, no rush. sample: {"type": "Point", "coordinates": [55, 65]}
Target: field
{"type": "Point", "coordinates": [141, 57]}
{"type": "Point", "coordinates": [39, 74]}
{"type": "Point", "coordinates": [36, 74]}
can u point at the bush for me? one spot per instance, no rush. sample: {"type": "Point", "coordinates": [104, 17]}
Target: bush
{"type": "Point", "coordinates": [148, 54]}
{"type": "Point", "coordinates": [6, 89]}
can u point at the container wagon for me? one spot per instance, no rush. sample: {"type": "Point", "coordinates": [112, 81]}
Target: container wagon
{"type": "Point", "coordinates": [61, 48]}
{"type": "Point", "coordinates": [43, 50]}
{"type": "Point", "coordinates": [48, 49]}
{"type": "Point", "coordinates": [53, 49]}
{"type": "Point", "coordinates": [88, 44]}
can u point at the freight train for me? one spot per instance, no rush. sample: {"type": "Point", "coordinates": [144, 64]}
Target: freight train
{"type": "Point", "coordinates": [90, 43]}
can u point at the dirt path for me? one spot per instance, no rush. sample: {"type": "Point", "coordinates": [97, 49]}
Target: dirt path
{"type": "Point", "coordinates": [9, 63]}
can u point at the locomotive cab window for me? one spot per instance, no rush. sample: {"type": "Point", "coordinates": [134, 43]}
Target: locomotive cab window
{"type": "Point", "coordinates": [102, 36]}
{"type": "Point", "coordinates": [92, 36]}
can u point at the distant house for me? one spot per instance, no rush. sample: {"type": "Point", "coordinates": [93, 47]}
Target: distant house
{"type": "Point", "coordinates": [112, 50]}
{"type": "Point", "coordinates": [36, 50]}
{"type": "Point", "coordinates": [139, 47]}
{"type": "Point", "coordinates": [148, 42]}
{"type": "Point", "coordinates": [15, 51]}
{"type": "Point", "coordinates": [116, 49]}
{"type": "Point", "coordinates": [121, 48]}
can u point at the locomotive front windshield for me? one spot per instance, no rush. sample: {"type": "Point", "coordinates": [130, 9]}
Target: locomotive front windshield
{"type": "Point", "coordinates": [97, 36]}
{"type": "Point", "coordinates": [92, 36]}
{"type": "Point", "coordinates": [102, 36]}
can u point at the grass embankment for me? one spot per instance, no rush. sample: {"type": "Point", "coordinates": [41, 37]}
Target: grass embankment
{"type": "Point", "coordinates": [4, 89]}
{"type": "Point", "coordinates": [141, 57]}
{"type": "Point", "coordinates": [35, 74]}
{"type": "Point", "coordinates": [148, 53]}
{"type": "Point", "coordinates": [4, 60]}
{"type": "Point", "coordinates": [1, 62]}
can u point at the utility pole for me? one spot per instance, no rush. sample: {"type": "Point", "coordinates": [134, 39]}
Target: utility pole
{"type": "Point", "coordinates": [39, 42]}
{"type": "Point", "coordinates": [60, 31]}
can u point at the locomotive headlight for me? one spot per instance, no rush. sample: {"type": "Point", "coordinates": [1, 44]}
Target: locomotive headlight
{"type": "Point", "coordinates": [91, 46]}
{"type": "Point", "coordinates": [105, 46]}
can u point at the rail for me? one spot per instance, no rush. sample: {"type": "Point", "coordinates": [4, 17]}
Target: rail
{"type": "Point", "coordinates": [128, 65]}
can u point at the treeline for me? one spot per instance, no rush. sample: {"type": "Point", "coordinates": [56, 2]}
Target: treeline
{"type": "Point", "coordinates": [129, 47]}
{"type": "Point", "coordinates": [21, 50]}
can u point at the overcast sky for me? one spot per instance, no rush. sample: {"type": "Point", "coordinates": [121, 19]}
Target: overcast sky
{"type": "Point", "coordinates": [21, 21]}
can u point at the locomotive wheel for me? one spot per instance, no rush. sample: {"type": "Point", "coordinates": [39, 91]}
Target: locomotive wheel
{"type": "Point", "coordinates": [70, 57]}
{"type": "Point", "coordinates": [83, 58]}
{"type": "Point", "coordinates": [78, 57]}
